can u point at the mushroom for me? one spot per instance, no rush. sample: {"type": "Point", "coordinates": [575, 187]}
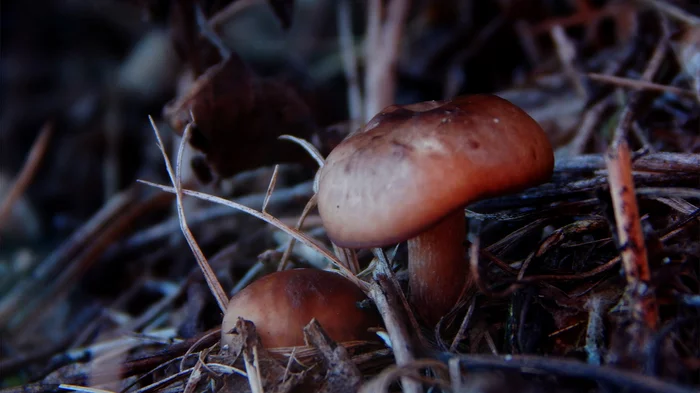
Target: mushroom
{"type": "Point", "coordinates": [280, 304]}
{"type": "Point", "coordinates": [409, 173]}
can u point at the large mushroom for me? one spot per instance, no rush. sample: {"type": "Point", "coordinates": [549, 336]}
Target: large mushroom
{"type": "Point", "coordinates": [409, 173]}
{"type": "Point", "coordinates": [280, 304]}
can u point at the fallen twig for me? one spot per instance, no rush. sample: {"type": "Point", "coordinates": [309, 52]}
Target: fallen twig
{"type": "Point", "coordinates": [566, 368]}
{"type": "Point", "coordinates": [639, 84]}
{"type": "Point", "coordinates": [629, 232]}
{"type": "Point", "coordinates": [26, 174]}
{"type": "Point", "coordinates": [385, 293]}
{"type": "Point", "coordinates": [653, 162]}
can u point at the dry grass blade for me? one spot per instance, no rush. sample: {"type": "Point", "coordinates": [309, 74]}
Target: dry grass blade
{"type": "Point", "coordinates": [639, 84]}
{"type": "Point", "coordinates": [194, 378]}
{"type": "Point", "coordinates": [209, 275]}
{"type": "Point", "coordinates": [165, 228]}
{"type": "Point", "coordinates": [349, 258]}
{"type": "Point", "coordinates": [159, 366]}
{"type": "Point", "coordinates": [300, 236]}
{"type": "Point", "coordinates": [270, 188]}
{"type": "Point", "coordinates": [311, 149]}
{"type": "Point", "coordinates": [36, 153]}
{"type": "Point", "coordinates": [159, 384]}
{"type": "Point", "coordinates": [191, 348]}
{"type": "Point", "coordinates": [224, 369]}
{"type": "Point", "coordinates": [474, 254]}
{"type": "Point", "coordinates": [461, 333]}
{"type": "Point", "coordinates": [292, 241]}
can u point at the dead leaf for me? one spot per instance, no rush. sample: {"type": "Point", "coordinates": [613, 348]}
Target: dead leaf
{"type": "Point", "coordinates": [239, 117]}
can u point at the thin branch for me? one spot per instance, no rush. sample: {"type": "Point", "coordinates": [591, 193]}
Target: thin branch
{"type": "Point", "coordinates": [207, 271]}
{"type": "Point", "coordinates": [461, 333]}
{"type": "Point", "coordinates": [385, 294]}
{"type": "Point", "coordinates": [639, 84]}
{"type": "Point", "coordinates": [300, 236]}
{"type": "Point", "coordinates": [348, 256]}
{"type": "Point", "coordinates": [284, 261]}
{"type": "Point", "coordinates": [270, 188]}
{"type": "Point", "coordinates": [211, 214]}
{"type": "Point", "coordinates": [26, 174]}
{"type": "Point", "coordinates": [631, 237]}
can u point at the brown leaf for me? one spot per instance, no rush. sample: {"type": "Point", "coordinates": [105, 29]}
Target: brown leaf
{"type": "Point", "coordinates": [239, 118]}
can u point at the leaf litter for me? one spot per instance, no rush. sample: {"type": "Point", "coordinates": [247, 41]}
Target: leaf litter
{"type": "Point", "coordinates": [586, 283]}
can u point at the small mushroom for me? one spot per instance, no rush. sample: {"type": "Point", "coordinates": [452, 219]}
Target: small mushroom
{"type": "Point", "coordinates": [280, 304]}
{"type": "Point", "coordinates": [411, 171]}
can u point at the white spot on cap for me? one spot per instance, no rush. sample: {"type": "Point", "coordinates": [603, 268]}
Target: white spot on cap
{"type": "Point", "coordinates": [496, 120]}
{"type": "Point", "coordinates": [430, 144]}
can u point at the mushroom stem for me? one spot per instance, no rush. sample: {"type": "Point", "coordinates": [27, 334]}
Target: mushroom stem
{"type": "Point", "coordinates": [437, 267]}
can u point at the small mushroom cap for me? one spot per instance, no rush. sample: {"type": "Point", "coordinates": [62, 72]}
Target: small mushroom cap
{"type": "Point", "coordinates": [414, 164]}
{"type": "Point", "coordinates": [280, 304]}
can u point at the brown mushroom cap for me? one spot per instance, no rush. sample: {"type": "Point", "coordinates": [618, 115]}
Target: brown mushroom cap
{"type": "Point", "coordinates": [414, 164]}
{"type": "Point", "coordinates": [282, 303]}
